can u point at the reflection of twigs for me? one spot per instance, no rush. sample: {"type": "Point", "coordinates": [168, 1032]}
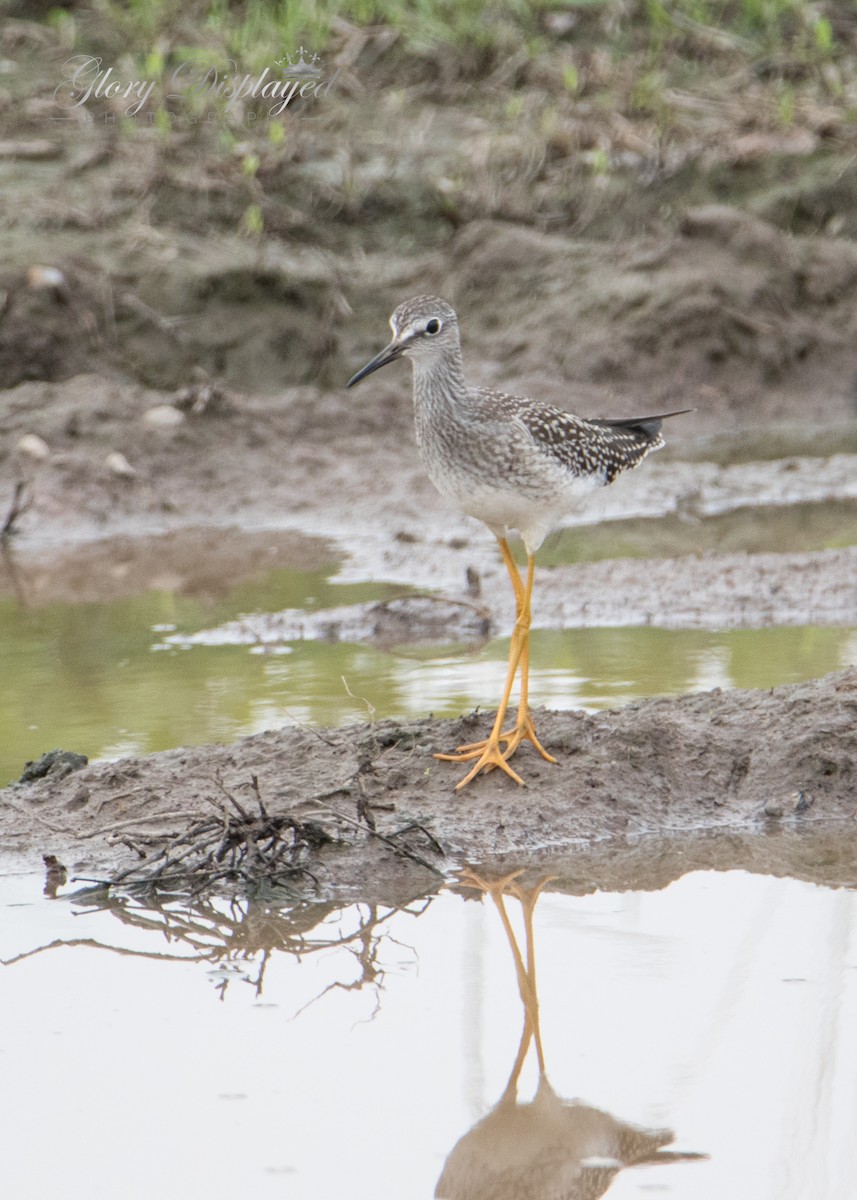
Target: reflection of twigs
{"type": "Point", "coordinates": [243, 933]}
{"type": "Point", "coordinates": [404, 851]}
{"type": "Point", "coordinates": [370, 971]}
{"type": "Point", "coordinates": [94, 944]}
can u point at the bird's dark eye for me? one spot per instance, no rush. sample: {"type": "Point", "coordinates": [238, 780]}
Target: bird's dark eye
{"type": "Point", "coordinates": [433, 326]}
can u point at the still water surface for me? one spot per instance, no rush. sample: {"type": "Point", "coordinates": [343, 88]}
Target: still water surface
{"type": "Point", "coordinates": [240, 1049]}
{"type": "Point", "coordinates": [99, 679]}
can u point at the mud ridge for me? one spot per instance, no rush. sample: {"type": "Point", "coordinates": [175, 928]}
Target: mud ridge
{"type": "Point", "coordinates": [701, 762]}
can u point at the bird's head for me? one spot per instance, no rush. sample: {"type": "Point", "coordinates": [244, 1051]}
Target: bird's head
{"type": "Point", "coordinates": [423, 328]}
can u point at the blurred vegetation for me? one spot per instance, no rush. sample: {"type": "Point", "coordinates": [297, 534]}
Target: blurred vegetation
{"type": "Point", "coordinates": [596, 119]}
{"type": "Point", "coordinates": [698, 100]}
{"type": "Point", "coordinates": [463, 36]}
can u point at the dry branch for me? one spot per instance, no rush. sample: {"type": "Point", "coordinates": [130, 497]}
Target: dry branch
{"type": "Point", "coordinates": [232, 843]}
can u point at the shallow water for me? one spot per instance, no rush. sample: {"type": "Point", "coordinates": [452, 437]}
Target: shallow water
{"type": "Point", "coordinates": [760, 529]}
{"type": "Point", "coordinates": [231, 1048]}
{"type": "Point", "coordinates": [97, 678]}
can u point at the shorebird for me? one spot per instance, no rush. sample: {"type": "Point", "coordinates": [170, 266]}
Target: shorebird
{"type": "Point", "coordinates": [511, 462]}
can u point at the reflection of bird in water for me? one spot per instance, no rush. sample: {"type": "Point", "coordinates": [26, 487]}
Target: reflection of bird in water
{"type": "Point", "coordinates": [549, 1148]}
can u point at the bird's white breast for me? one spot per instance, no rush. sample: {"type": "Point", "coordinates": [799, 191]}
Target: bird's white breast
{"type": "Point", "coordinates": [503, 509]}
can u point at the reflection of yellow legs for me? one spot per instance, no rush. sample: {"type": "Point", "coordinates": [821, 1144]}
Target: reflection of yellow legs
{"type": "Point", "coordinates": [498, 889]}
{"type": "Point", "coordinates": [488, 753]}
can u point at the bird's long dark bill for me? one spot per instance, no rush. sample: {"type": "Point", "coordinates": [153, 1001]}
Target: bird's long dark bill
{"type": "Point", "coordinates": [388, 354]}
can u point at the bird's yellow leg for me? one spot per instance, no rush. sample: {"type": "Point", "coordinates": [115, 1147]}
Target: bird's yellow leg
{"type": "Point", "coordinates": [474, 749]}
{"type": "Point", "coordinates": [489, 753]}
{"type": "Point", "coordinates": [514, 575]}
{"type": "Point", "coordinates": [524, 728]}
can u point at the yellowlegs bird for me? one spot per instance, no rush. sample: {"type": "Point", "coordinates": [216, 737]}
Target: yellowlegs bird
{"type": "Point", "coordinates": [514, 463]}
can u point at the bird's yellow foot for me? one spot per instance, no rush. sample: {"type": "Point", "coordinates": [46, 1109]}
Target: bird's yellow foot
{"type": "Point", "coordinates": [467, 877]}
{"type": "Point", "coordinates": [488, 755]}
{"type": "Point", "coordinates": [524, 731]}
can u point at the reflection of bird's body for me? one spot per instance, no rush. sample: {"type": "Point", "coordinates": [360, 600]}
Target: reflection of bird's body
{"type": "Point", "coordinates": [510, 462]}
{"type": "Point", "coordinates": [549, 1148]}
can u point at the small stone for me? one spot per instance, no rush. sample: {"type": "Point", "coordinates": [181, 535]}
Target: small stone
{"type": "Point", "coordinates": [56, 763]}
{"type": "Point", "coordinates": [117, 464]}
{"type": "Point", "coordinates": [802, 802]}
{"type": "Point", "coordinates": [45, 277]}
{"type": "Point", "coordinates": [163, 416]}
{"type": "Point", "coordinates": [560, 24]}
{"type": "Point", "coordinates": [774, 808]}
{"type": "Point", "coordinates": [34, 447]}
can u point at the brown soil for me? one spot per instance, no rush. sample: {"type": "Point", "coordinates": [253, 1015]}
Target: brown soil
{"type": "Point", "coordinates": [714, 761]}
{"type": "Point", "coordinates": [127, 286]}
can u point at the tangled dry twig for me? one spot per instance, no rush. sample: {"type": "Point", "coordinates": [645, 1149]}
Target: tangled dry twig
{"type": "Point", "coordinates": [240, 846]}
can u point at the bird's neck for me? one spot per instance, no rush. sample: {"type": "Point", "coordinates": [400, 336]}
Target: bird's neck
{"type": "Point", "coordinates": [439, 384]}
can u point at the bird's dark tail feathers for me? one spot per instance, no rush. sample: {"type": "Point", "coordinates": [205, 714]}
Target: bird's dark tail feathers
{"type": "Point", "coordinates": [649, 427]}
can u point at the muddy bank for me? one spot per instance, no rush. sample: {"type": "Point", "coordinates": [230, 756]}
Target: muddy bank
{"type": "Point", "coordinates": [214, 497]}
{"type": "Point", "coordinates": [470, 599]}
{"type": "Point", "coordinates": [169, 368]}
{"type": "Point", "coordinates": [727, 591]}
{"type": "Point", "coordinates": [722, 312]}
{"type": "Point", "coordinates": [702, 762]}
{"type": "Point", "coordinates": [204, 563]}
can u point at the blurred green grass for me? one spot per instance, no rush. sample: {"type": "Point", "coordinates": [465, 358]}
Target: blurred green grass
{"type": "Point", "coordinates": [473, 36]}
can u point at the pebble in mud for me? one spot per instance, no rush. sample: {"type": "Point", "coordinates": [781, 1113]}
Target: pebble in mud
{"type": "Point", "coordinates": [34, 447]}
{"type": "Point", "coordinates": [163, 416]}
{"type": "Point", "coordinates": [79, 800]}
{"type": "Point", "coordinates": [117, 464]}
{"type": "Point", "coordinates": [56, 763]}
{"type": "Point", "coordinates": [798, 803]}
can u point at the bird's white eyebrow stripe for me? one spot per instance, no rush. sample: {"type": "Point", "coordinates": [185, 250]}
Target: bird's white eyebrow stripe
{"type": "Point", "coordinates": [404, 337]}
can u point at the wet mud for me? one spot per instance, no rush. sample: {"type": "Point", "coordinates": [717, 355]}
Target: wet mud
{"type": "Point", "coordinates": [174, 416]}
{"type": "Point", "coordinates": [713, 761]}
